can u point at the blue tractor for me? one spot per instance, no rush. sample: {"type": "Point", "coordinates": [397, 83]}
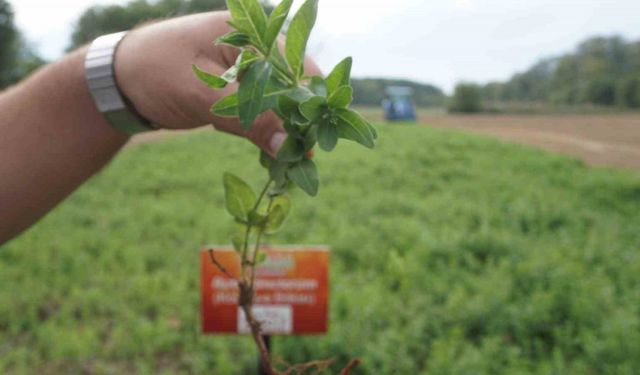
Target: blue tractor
{"type": "Point", "coordinates": [398, 104]}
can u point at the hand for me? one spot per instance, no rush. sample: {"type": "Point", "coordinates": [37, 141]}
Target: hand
{"type": "Point", "coordinates": [153, 69]}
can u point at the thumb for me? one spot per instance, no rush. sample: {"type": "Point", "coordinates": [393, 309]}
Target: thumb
{"type": "Point", "coordinates": [267, 133]}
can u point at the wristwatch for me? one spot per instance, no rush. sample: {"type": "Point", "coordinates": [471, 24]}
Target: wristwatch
{"type": "Point", "coordinates": [100, 74]}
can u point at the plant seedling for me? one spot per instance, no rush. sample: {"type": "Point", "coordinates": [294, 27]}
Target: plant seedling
{"type": "Point", "coordinates": [314, 110]}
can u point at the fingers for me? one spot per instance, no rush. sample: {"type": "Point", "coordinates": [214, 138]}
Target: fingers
{"type": "Point", "coordinates": [266, 132]}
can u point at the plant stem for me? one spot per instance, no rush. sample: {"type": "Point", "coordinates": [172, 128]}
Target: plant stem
{"type": "Point", "coordinates": [247, 291]}
{"type": "Point", "coordinates": [262, 193]}
{"type": "Point", "coordinates": [257, 248]}
{"type": "Point", "coordinates": [245, 245]}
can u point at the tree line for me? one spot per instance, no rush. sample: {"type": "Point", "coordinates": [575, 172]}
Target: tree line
{"type": "Point", "coordinates": [602, 71]}
{"type": "Point", "coordinates": [17, 59]}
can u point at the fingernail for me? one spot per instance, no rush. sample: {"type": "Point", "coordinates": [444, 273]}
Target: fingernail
{"type": "Point", "coordinates": [277, 139]}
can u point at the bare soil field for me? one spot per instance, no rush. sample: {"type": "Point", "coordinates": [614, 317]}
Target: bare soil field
{"type": "Point", "coordinates": [605, 140]}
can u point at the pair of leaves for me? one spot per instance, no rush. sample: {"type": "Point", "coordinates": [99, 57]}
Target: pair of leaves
{"type": "Point", "coordinates": [252, 24]}
{"type": "Point", "coordinates": [302, 171]}
{"type": "Point", "coordinates": [347, 124]}
{"type": "Point", "coordinates": [240, 200]}
{"type": "Point", "coordinates": [248, 18]}
{"type": "Point", "coordinates": [340, 94]}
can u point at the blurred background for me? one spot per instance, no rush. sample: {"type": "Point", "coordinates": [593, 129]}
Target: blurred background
{"type": "Point", "coordinates": [495, 230]}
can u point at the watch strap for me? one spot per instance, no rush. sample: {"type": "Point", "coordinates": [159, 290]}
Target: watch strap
{"type": "Point", "coordinates": [111, 102]}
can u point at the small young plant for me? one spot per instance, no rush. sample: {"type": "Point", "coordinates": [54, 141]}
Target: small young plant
{"type": "Point", "coordinates": [314, 110]}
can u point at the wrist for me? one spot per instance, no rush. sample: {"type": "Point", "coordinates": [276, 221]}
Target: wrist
{"type": "Point", "coordinates": [73, 100]}
{"type": "Point", "coordinates": [107, 93]}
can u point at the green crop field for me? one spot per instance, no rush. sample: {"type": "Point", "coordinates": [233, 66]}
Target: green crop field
{"type": "Point", "coordinates": [452, 254]}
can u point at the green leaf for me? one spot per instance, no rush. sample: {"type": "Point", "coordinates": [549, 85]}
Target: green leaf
{"type": "Point", "coordinates": [288, 108]}
{"type": "Point", "coordinates": [238, 239]}
{"type": "Point", "coordinates": [354, 127]}
{"type": "Point", "coordinates": [293, 128]}
{"type": "Point", "coordinates": [255, 219]}
{"type": "Point", "coordinates": [340, 75]}
{"type": "Point", "coordinates": [278, 172]}
{"type": "Point", "coordinates": [341, 98]}
{"type": "Point", "coordinates": [235, 39]}
{"type": "Point", "coordinates": [298, 35]}
{"type": "Point", "coordinates": [274, 90]}
{"type": "Point", "coordinates": [327, 136]}
{"type": "Point", "coordinates": [245, 59]}
{"type": "Point", "coordinates": [373, 131]}
{"type": "Point", "coordinates": [280, 207]}
{"type": "Point", "coordinates": [276, 20]}
{"type": "Point", "coordinates": [251, 91]}
{"type": "Point", "coordinates": [305, 175]}
{"type": "Point", "coordinates": [226, 107]}
{"type": "Point", "coordinates": [291, 150]}
{"type": "Point", "coordinates": [211, 80]}
{"type": "Point", "coordinates": [261, 257]}
{"type": "Point", "coordinates": [313, 108]}
{"type": "Point", "coordinates": [249, 17]}
{"type": "Point", "coordinates": [239, 197]}
{"type": "Point", "coordinates": [300, 94]}
{"type": "Point", "coordinates": [265, 159]}
{"type": "Point", "coordinates": [318, 86]}
{"type": "Point", "coordinates": [311, 138]}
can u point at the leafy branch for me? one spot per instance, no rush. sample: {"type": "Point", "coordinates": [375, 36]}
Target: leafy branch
{"type": "Point", "coordinates": [314, 111]}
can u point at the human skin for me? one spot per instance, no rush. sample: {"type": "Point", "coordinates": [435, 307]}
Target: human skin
{"type": "Point", "coordinates": [52, 137]}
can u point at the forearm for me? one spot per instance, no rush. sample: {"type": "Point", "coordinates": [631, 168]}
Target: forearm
{"type": "Point", "coordinates": [52, 138]}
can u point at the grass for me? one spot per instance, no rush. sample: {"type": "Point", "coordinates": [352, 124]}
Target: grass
{"type": "Point", "coordinates": [452, 254]}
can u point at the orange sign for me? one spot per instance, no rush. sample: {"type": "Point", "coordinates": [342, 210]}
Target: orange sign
{"type": "Point", "coordinates": [292, 291]}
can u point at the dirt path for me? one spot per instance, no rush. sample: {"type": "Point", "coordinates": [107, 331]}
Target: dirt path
{"type": "Point", "coordinates": [607, 140]}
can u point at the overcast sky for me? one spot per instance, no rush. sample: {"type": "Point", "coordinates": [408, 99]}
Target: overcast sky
{"type": "Point", "coordinates": [434, 41]}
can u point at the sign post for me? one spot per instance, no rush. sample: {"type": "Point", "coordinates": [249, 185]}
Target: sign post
{"type": "Point", "coordinates": [292, 291]}
{"type": "Point", "coordinates": [267, 342]}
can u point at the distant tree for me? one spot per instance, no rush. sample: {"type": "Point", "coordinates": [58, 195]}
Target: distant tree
{"type": "Point", "coordinates": [564, 86]}
{"type": "Point", "coordinates": [629, 93]}
{"type": "Point", "coordinates": [493, 92]}
{"type": "Point", "coordinates": [600, 91]}
{"type": "Point", "coordinates": [467, 98]}
{"type": "Point", "coordinates": [596, 72]}
{"type": "Point", "coordinates": [8, 35]}
{"type": "Point", "coordinates": [17, 59]}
